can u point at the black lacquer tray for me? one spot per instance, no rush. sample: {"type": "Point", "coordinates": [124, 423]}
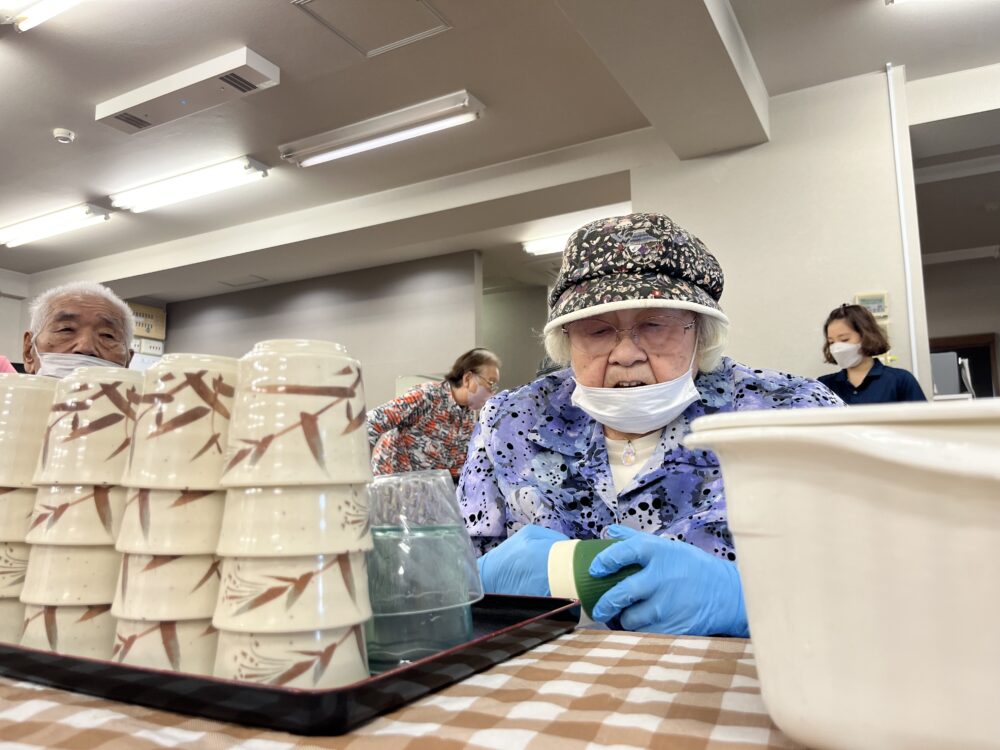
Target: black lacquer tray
{"type": "Point", "coordinates": [503, 627]}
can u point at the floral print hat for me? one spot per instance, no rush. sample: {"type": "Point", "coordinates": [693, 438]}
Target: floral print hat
{"type": "Point", "coordinates": [639, 260]}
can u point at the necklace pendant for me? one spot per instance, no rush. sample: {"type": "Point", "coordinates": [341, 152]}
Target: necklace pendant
{"type": "Point", "coordinates": [628, 454]}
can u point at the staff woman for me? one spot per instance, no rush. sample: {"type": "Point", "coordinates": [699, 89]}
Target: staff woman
{"type": "Point", "coordinates": [853, 340]}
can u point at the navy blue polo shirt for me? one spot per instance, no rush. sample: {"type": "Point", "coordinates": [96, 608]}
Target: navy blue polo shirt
{"type": "Point", "coordinates": [881, 385]}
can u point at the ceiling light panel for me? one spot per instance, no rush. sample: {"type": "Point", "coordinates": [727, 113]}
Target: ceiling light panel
{"type": "Point", "coordinates": [375, 28]}
{"type": "Point", "coordinates": [195, 184]}
{"type": "Point", "coordinates": [59, 222]}
{"type": "Point", "coordinates": [402, 124]}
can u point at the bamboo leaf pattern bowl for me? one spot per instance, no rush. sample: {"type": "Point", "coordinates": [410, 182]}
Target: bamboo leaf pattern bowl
{"type": "Point", "coordinates": [90, 427]}
{"type": "Point", "coordinates": [76, 515]}
{"type": "Point", "coordinates": [171, 522]}
{"type": "Point", "coordinates": [298, 417]}
{"type": "Point", "coordinates": [295, 521]}
{"type": "Point", "coordinates": [16, 504]}
{"type": "Point", "coordinates": [13, 567]}
{"type": "Point", "coordinates": [182, 422]}
{"type": "Point", "coordinates": [70, 575]}
{"type": "Point", "coordinates": [167, 587]}
{"type": "Point", "coordinates": [317, 660]}
{"type": "Point", "coordinates": [25, 401]}
{"type": "Point", "coordinates": [292, 594]}
{"type": "Point", "coordinates": [179, 646]}
{"type": "Point", "coordinates": [75, 631]}
{"type": "Point", "coordinates": [11, 620]}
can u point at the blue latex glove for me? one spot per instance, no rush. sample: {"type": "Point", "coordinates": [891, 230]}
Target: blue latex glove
{"type": "Point", "coordinates": [681, 589]}
{"type": "Point", "coordinates": [520, 565]}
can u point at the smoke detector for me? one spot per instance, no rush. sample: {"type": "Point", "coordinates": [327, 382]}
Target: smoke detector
{"type": "Point", "coordinates": [62, 135]}
{"type": "Point", "coordinates": [222, 79]}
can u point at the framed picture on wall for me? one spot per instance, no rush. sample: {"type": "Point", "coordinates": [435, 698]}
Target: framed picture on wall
{"type": "Point", "coordinates": [876, 303]}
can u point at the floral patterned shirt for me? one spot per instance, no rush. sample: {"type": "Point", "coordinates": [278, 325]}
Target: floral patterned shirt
{"type": "Point", "coordinates": [425, 428]}
{"type": "Point", "coordinates": [535, 458]}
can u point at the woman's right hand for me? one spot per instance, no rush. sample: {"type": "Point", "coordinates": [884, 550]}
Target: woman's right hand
{"type": "Point", "coordinates": [520, 565]}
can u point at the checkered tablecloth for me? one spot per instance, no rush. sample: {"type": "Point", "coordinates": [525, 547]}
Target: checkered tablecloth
{"type": "Point", "coordinates": [589, 689]}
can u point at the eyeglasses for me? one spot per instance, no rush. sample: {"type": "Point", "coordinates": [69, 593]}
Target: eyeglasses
{"type": "Point", "coordinates": [659, 334]}
{"type": "Point", "coordinates": [494, 386]}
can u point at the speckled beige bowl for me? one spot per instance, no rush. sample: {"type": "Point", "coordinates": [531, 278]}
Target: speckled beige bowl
{"type": "Point", "coordinates": [295, 521]}
{"type": "Point", "coordinates": [74, 631]}
{"type": "Point", "coordinates": [15, 510]}
{"type": "Point", "coordinates": [313, 660]}
{"type": "Point", "coordinates": [77, 515]}
{"type": "Point", "coordinates": [11, 620]}
{"type": "Point", "coordinates": [162, 587]}
{"type": "Point", "coordinates": [183, 422]}
{"type": "Point", "coordinates": [298, 418]}
{"type": "Point", "coordinates": [185, 646]}
{"type": "Point", "coordinates": [24, 409]}
{"type": "Point", "coordinates": [13, 567]}
{"type": "Point", "coordinates": [171, 522]}
{"type": "Point", "coordinates": [90, 427]}
{"type": "Point", "coordinates": [292, 594]}
{"type": "Point", "coordinates": [70, 575]}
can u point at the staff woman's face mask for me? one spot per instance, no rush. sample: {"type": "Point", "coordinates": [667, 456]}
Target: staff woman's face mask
{"type": "Point", "coordinates": [846, 354]}
{"type": "Point", "coordinates": [641, 409]}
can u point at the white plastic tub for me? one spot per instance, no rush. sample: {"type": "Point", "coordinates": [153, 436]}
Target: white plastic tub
{"type": "Point", "coordinates": [868, 541]}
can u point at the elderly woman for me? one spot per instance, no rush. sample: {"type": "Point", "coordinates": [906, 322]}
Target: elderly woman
{"type": "Point", "coordinates": [79, 324]}
{"type": "Point", "coordinates": [429, 426]}
{"type": "Point", "coordinates": [597, 449]}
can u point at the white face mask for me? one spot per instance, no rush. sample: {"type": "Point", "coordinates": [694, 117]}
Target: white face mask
{"type": "Point", "coordinates": [641, 409]}
{"type": "Point", "coordinates": [845, 354]}
{"type": "Point", "coordinates": [59, 365]}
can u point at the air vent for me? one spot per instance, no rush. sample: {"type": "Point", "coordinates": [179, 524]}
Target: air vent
{"type": "Point", "coordinates": [238, 82]}
{"type": "Point", "coordinates": [188, 91]}
{"type": "Point", "coordinates": [129, 119]}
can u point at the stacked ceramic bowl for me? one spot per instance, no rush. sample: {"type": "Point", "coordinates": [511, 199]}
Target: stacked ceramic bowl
{"type": "Point", "coordinates": [294, 592]}
{"type": "Point", "coordinates": [24, 409]}
{"type": "Point", "coordinates": [169, 577]}
{"type": "Point", "coordinates": [73, 565]}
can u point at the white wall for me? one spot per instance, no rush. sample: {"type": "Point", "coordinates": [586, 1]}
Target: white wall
{"type": "Point", "coordinates": [800, 224]}
{"type": "Point", "coordinates": [13, 324]}
{"type": "Point", "coordinates": [512, 326]}
{"type": "Point", "coordinates": [400, 319]}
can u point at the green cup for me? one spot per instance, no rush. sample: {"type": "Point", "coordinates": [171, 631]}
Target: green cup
{"type": "Point", "coordinates": [569, 572]}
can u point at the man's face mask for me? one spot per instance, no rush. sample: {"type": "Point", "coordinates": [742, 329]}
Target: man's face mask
{"type": "Point", "coordinates": [59, 365]}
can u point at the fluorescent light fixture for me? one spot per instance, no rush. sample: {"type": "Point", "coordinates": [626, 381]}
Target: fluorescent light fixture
{"type": "Point", "coordinates": [569, 223]}
{"type": "Point", "coordinates": [410, 122]}
{"type": "Point", "coordinates": [41, 12]}
{"type": "Point", "coordinates": [213, 179]}
{"type": "Point", "coordinates": [52, 224]}
{"type": "Point", "coordinates": [546, 245]}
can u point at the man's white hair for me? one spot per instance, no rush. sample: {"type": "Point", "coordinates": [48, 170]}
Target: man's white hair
{"type": "Point", "coordinates": [713, 335]}
{"type": "Point", "coordinates": [41, 310]}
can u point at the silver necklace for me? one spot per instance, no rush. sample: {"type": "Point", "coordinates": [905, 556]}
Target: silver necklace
{"type": "Point", "coordinates": [628, 453]}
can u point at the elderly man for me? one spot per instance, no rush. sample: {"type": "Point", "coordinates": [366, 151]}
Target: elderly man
{"type": "Point", "coordinates": [79, 324]}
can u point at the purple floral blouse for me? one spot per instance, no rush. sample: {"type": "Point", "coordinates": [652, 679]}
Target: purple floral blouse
{"type": "Point", "coordinates": [535, 458]}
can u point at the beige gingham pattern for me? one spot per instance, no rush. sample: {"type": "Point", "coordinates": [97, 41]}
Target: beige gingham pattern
{"type": "Point", "coordinates": [588, 690]}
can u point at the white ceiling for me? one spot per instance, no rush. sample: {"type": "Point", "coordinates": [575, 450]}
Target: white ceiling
{"type": "Point", "coordinates": [544, 89]}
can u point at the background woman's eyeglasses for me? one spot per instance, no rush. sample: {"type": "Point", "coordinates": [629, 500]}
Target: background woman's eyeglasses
{"type": "Point", "coordinates": [658, 334]}
{"type": "Point", "coordinates": [493, 386]}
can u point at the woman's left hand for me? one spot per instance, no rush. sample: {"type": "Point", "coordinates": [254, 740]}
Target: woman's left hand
{"type": "Point", "coordinates": [681, 589]}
